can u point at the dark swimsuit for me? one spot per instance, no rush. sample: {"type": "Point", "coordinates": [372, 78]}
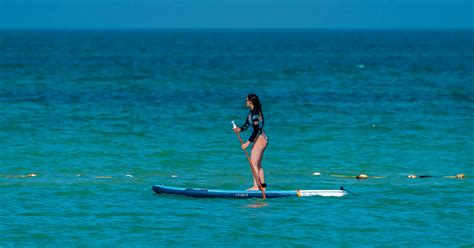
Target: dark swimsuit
{"type": "Point", "coordinates": [257, 121]}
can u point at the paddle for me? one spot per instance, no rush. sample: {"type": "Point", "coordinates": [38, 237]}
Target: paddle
{"type": "Point", "coordinates": [254, 173]}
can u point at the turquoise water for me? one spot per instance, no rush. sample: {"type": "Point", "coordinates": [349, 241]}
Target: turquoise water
{"type": "Point", "coordinates": [101, 116]}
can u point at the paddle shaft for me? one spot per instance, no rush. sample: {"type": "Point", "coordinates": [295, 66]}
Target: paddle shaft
{"type": "Point", "coordinates": [255, 173]}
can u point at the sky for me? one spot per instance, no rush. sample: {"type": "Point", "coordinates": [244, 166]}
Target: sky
{"type": "Point", "coordinates": [157, 14]}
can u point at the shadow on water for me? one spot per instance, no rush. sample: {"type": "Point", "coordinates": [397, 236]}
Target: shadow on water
{"type": "Point", "coordinates": [259, 204]}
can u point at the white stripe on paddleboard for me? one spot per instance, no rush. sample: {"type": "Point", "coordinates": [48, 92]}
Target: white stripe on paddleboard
{"type": "Point", "coordinates": [336, 193]}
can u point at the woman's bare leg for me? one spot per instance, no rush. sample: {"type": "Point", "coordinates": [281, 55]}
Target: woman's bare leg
{"type": "Point", "coordinates": [259, 166]}
{"type": "Point", "coordinates": [256, 158]}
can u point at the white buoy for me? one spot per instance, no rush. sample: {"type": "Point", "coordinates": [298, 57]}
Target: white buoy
{"type": "Point", "coordinates": [362, 176]}
{"type": "Point", "coordinates": [317, 173]}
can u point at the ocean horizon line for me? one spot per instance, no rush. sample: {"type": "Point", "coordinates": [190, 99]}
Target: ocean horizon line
{"type": "Point", "coordinates": [237, 29]}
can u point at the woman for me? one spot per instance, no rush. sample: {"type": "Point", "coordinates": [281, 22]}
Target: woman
{"type": "Point", "coordinates": [256, 121]}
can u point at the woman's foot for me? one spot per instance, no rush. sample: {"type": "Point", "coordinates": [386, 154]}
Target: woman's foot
{"type": "Point", "coordinates": [253, 188]}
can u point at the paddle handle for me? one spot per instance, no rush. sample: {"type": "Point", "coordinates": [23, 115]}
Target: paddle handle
{"type": "Point", "coordinates": [255, 173]}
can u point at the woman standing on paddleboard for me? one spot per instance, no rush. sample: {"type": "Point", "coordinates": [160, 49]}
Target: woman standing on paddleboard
{"type": "Point", "coordinates": [255, 120]}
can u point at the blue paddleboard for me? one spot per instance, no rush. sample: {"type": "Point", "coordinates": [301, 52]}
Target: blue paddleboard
{"type": "Point", "coordinates": [210, 193]}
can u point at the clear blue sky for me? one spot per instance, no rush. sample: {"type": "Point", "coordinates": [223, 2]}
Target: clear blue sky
{"type": "Point", "coordinates": [144, 14]}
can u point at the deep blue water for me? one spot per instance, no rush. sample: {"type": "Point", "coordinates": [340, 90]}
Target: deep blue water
{"type": "Point", "coordinates": [154, 107]}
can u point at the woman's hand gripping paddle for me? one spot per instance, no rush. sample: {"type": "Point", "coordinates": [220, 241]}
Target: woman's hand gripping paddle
{"type": "Point", "coordinates": [254, 173]}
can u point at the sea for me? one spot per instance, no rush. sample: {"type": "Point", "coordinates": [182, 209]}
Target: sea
{"type": "Point", "coordinates": [90, 120]}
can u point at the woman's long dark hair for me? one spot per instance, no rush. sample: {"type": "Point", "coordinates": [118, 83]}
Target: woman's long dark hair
{"type": "Point", "coordinates": [256, 103]}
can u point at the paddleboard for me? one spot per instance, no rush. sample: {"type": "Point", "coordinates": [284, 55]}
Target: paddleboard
{"type": "Point", "coordinates": [213, 193]}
